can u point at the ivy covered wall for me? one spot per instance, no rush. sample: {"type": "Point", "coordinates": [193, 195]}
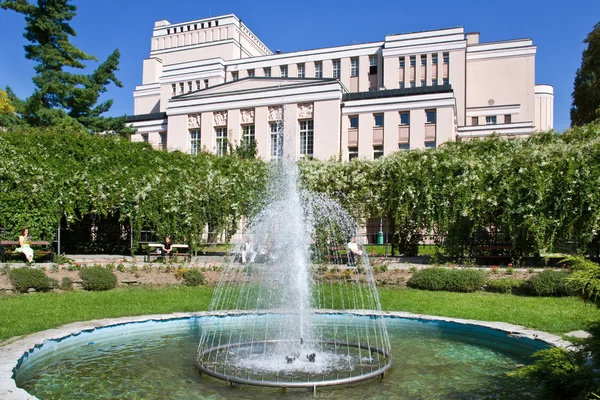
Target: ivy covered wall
{"type": "Point", "coordinates": [541, 192]}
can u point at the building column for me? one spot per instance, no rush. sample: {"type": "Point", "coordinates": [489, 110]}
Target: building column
{"type": "Point", "coordinates": [417, 129]}
{"type": "Point", "coordinates": [391, 120]}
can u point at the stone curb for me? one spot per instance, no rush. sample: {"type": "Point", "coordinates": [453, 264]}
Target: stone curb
{"type": "Point", "coordinates": [13, 349]}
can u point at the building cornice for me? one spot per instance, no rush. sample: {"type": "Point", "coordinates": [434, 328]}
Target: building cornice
{"type": "Point", "coordinates": [515, 129]}
{"type": "Point", "coordinates": [511, 109]}
{"type": "Point", "coordinates": [422, 101]}
{"type": "Point", "coordinates": [301, 93]}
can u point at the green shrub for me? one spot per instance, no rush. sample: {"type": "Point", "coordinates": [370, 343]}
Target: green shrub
{"type": "Point", "coordinates": [547, 283]}
{"type": "Point", "coordinates": [26, 278]}
{"type": "Point", "coordinates": [193, 277]}
{"type": "Point", "coordinates": [98, 278]}
{"type": "Point", "coordinates": [504, 285]}
{"type": "Point", "coordinates": [67, 283]}
{"type": "Point", "coordinates": [452, 280]}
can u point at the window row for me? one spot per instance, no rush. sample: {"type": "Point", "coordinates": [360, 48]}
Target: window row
{"type": "Point", "coordinates": [187, 87]}
{"type": "Point", "coordinates": [423, 60]}
{"type": "Point", "coordinates": [491, 120]}
{"type": "Point", "coordinates": [423, 83]}
{"type": "Point", "coordinates": [430, 118]}
{"type": "Point", "coordinates": [301, 69]}
{"type": "Point", "coordinates": [192, 27]}
{"type": "Point", "coordinates": [306, 138]}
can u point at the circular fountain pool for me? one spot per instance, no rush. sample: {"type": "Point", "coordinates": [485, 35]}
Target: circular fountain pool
{"type": "Point", "coordinates": [155, 360]}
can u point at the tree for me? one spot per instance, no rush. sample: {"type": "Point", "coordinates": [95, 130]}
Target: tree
{"type": "Point", "coordinates": [586, 88]}
{"type": "Point", "coordinates": [61, 96]}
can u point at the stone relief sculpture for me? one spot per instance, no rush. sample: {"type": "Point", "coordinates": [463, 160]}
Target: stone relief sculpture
{"type": "Point", "coordinates": [275, 113]}
{"type": "Point", "coordinates": [220, 118]}
{"type": "Point", "coordinates": [305, 110]}
{"type": "Point", "coordinates": [248, 116]}
{"type": "Point", "coordinates": [194, 121]}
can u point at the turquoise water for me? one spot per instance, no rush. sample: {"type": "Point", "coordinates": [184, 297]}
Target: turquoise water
{"type": "Point", "coordinates": [155, 360]}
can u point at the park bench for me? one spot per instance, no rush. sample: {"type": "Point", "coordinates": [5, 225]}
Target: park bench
{"type": "Point", "coordinates": [179, 250]}
{"type": "Point", "coordinates": [7, 248]}
{"type": "Point", "coordinates": [337, 255]}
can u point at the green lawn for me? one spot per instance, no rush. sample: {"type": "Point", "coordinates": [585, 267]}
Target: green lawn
{"type": "Point", "coordinates": [23, 314]}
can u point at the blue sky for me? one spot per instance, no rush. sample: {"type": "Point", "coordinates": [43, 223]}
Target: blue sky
{"type": "Point", "coordinates": [556, 27]}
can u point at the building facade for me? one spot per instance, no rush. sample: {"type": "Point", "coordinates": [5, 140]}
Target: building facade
{"type": "Point", "coordinates": [211, 81]}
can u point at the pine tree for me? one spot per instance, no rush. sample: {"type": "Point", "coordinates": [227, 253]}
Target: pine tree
{"type": "Point", "coordinates": [586, 88]}
{"type": "Point", "coordinates": [62, 97]}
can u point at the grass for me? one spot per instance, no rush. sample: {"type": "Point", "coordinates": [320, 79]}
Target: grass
{"type": "Point", "coordinates": [379, 249]}
{"type": "Point", "coordinates": [556, 315]}
{"type": "Point", "coordinates": [24, 314]}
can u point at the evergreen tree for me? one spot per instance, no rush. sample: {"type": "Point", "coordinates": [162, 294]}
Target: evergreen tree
{"type": "Point", "coordinates": [586, 88]}
{"type": "Point", "coordinates": [62, 97]}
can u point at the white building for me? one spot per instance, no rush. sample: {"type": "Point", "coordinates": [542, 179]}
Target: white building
{"type": "Point", "coordinates": [212, 80]}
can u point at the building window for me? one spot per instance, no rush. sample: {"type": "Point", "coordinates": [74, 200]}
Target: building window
{"type": "Point", "coordinates": [267, 72]}
{"type": "Point", "coordinates": [162, 144]}
{"type": "Point", "coordinates": [221, 136]}
{"type": "Point", "coordinates": [404, 146]}
{"type": "Point", "coordinates": [423, 82]}
{"type": "Point", "coordinates": [145, 137]}
{"type": "Point", "coordinates": [423, 60]}
{"type": "Point", "coordinates": [300, 70]}
{"type": "Point", "coordinates": [405, 118]}
{"type": "Point", "coordinates": [434, 59]}
{"type": "Point", "coordinates": [378, 120]}
{"type": "Point", "coordinates": [336, 69]}
{"type": "Point", "coordinates": [446, 81]}
{"type": "Point", "coordinates": [430, 116]}
{"type": "Point", "coordinates": [430, 145]}
{"type": "Point", "coordinates": [372, 61]}
{"type": "Point", "coordinates": [401, 85]}
{"type": "Point", "coordinates": [413, 61]}
{"type": "Point", "coordinates": [195, 141]}
{"type": "Point", "coordinates": [284, 71]}
{"type": "Point", "coordinates": [401, 63]}
{"type": "Point", "coordinates": [181, 88]}
{"type": "Point", "coordinates": [318, 70]}
{"type": "Point", "coordinates": [189, 86]}
{"type": "Point", "coordinates": [490, 120]}
{"type": "Point", "coordinates": [474, 121]}
{"type": "Point", "coordinates": [205, 83]}
{"type": "Point", "coordinates": [507, 119]}
{"type": "Point", "coordinates": [250, 73]}
{"type": "Point", "coordinates": [446, 59]}
{"type": "Point", "coordinates": [198, 85]}
{"type": "Point", "coordinates": [354, 67]}
{"type": "Point", "coordinates": [352, 153]}
{"type": "Point", "coordinates": [276, 140]}
{"type": "Point", "coordinates": [248, 134]}
{"type": "Point", "coordinates": [306, 137]}
{"type": "Point", "coordinates": [412, 84]}
{"type": "Point", "coordinates": [354, 121]}
{"type": "Point", "coordinates": [173, 89]}
{"type": "Point", "coordinates": [235, 76]}
{"type": "Point", "coordinates": [377, 152]}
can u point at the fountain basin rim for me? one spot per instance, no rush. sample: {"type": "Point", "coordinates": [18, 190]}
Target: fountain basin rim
{"type": "Point", "coordinates": [379, 372]}
{"type": "Point", "coordinates": [13, 350]}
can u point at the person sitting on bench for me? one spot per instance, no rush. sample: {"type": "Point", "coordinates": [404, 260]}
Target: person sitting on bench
{"type": "Point", "coordinates": [25, 245]}
{"type": "Point", "coordinates": [353, 252]}
{"type": "Point", "coordinates": [167, 247]}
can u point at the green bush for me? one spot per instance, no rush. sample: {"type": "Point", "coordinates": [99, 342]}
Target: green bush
{"type": "Point", "coordinates": [67, 283]}
{"type": "Point", "coordinates": [547, 283]}
{"type": "Point", "coordinates": [26, 278]}
{"type": "Point", "coordinates": [193, 277]}
{"type": "Point", "coordinates": [504, 285]}
{"type": "Point", "coordinates": [452, 280]}
{"type": "Point", "coordinates": [97, 278]}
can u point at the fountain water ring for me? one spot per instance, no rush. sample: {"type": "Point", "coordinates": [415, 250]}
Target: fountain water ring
{"type": "Point", "coordinates": [289, 277]}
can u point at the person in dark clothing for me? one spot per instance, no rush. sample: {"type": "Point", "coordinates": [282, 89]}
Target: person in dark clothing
{"type": "Point", "coordinates": [167, 247]}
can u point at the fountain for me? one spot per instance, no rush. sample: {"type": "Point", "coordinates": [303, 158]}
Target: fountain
{"type": "Point", "coordinates": [276, 337]}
